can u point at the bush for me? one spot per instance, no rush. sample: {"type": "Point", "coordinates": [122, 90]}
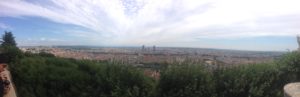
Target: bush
{"type": "Point", "coordinates": [58, 77]}
{"type": "Point", "coordinates": [290, 66]}
{"type": "Point", "coordinates": [257, 80]}
{"type": "Point", "coordinates": [10, 54]}
{"type": "Point", "coordinates": [44, 54]}
{"type": "Point", "coordinates": [252, 80]}
{"type": "Point", "coordinates": [48, 76]}
{"type": "Point", "coordinates": [185, 81]}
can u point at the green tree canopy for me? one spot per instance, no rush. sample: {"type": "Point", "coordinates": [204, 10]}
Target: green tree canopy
{"type": "Point", "coordinates": [9, 51]}
{"type": "Point", "coordinates": [8, 39]}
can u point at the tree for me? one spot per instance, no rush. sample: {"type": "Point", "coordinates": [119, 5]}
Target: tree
{"type": "Point", "coordinates": [8, 39]}
{"type": "Point", "coordinates": [9, 52]}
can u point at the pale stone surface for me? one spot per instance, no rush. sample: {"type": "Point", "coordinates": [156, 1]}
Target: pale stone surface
{"type": "Point", "coordinates": [11, 92]}
{"type": "Point", "coordinates": [292, 90]}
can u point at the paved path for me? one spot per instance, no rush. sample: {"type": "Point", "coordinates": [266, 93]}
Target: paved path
{"type": "Point", "coordinates": [11, 92]}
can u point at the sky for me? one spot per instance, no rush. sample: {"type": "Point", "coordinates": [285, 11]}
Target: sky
{"type": "Point", "coordinates": [261, 25]}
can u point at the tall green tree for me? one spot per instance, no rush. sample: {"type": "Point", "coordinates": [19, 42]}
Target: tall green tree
{"type": "Point", "coordinates": [9, 52]}
{"type": "Point", "coordinates": [8, 39]}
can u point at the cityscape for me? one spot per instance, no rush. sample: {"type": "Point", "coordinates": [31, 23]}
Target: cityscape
{"type": "Point", "coordinates": [149, 48]}
{"type": "Point", "coordinates": [153, 54]}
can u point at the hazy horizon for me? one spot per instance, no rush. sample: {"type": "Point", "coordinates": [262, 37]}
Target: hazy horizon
{"type": "Point", "coordinates": [151, 46]}
{"type": "Point", "coordinates": [255, 25]}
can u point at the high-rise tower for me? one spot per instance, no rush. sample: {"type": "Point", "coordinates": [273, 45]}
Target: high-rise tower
{"type": "Point", "coordinates": [143, 48]}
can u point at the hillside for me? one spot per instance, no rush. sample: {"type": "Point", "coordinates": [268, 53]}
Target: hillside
{"type": "Point", "coordinates": [40, 75]}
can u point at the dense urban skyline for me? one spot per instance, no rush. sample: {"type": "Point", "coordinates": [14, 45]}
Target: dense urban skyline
{"type": "Point", "coordinates": [225, 24]}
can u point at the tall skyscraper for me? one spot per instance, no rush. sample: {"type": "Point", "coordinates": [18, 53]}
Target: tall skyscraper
{"type": "Point", "coordinates": [143, 48]}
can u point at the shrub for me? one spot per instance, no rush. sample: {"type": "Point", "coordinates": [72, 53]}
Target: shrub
{"type": "Point", "coordinates": [48, 76]}
{"type": "Point", "coordinates": [185, 81]}
{"type": "Point", "coordinates": [58, 77]}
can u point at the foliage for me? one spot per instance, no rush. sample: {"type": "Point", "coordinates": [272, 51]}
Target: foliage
{"type": "Point", "coordinates": [8, 39]}
{"type": "Point", "coordinates": [43, 75]}
{"type": "Point", "coordinates": [44, 54]}
{"type": "Point", "coordinates": [290, 66]}
{"type": "Point", "coordinates": [186, 80]}
{"type": "Point", "coordinates": [10, 54]}
{"type": "Point", "coordinates": [256, 80]}
{"type": "Point", "coordinates": [252, 80]}
{"type": "Point", "coordinates": [8, 50]}
{"type": "Point", "coordinates": [38, 76]}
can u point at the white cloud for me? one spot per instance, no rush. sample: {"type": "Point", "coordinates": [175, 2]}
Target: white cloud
{"type": "Point", "coordinates": [43, 41]}
{"type": "Point", "coordinates": [134, 22]}
{"type": "Point", "coordinates": [5, 26]}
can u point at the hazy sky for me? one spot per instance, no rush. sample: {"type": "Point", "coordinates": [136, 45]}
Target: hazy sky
{"type": "Point", "coordinates": [227, 24]}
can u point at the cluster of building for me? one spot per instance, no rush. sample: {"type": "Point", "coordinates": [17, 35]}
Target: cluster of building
{"type": "Point", "coordinates": [146, 55]}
